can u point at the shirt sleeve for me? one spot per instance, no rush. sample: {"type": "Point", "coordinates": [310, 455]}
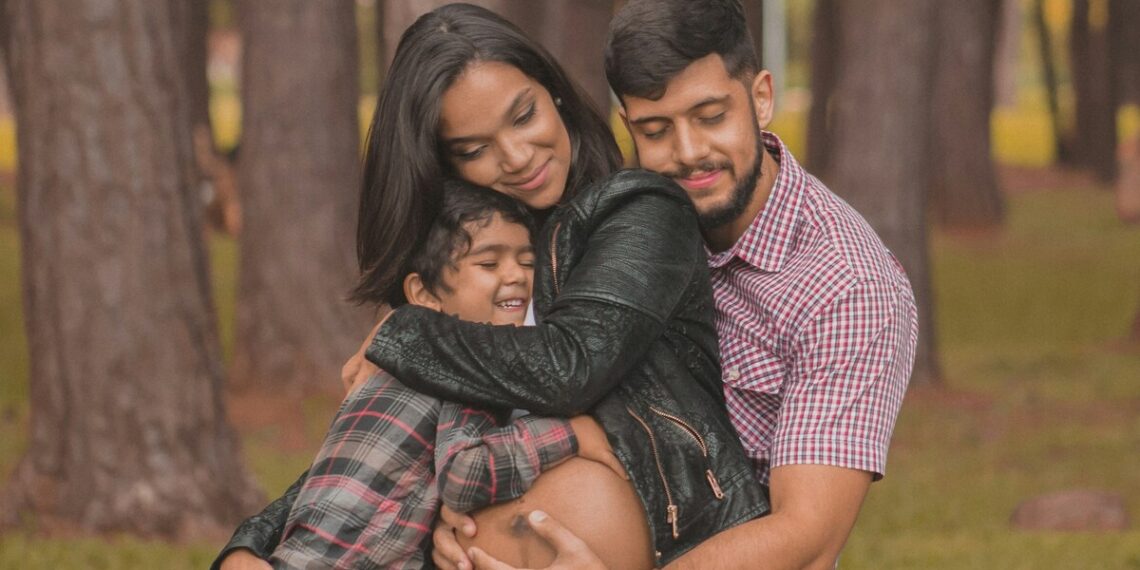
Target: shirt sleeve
{"type": "Point", "coordinates": [479, 463]}
{"type": "Point", "coordinates": [853, 363]}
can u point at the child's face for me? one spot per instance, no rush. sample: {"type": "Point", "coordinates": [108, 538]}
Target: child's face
{"type": "Point", "coordinates": [491, 282]}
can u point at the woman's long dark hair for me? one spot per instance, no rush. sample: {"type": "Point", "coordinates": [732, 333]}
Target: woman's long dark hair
{"type": "Point", "coordinates": [403, 168]}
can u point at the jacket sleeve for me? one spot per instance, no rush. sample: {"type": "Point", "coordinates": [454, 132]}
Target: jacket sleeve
{"type": "Point", "coordinates": [634, 269]}
{"type": "Point", "coordinates": [480, 463]}
{"type": "Point", "coordinates": [261, 533]}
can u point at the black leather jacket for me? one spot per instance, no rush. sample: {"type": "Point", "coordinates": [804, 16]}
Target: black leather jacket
{"type": "Point", "coordinates": [625, 333]}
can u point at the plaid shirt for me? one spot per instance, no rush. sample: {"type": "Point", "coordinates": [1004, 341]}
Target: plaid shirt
{"type": "Point", "coordinates": [817, 326]}
{"type": "Point", "coordinates": [372, 493]}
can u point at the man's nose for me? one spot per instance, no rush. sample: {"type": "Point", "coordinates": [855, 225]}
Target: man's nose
{"type": "Point", "coordinates": [689, 146]}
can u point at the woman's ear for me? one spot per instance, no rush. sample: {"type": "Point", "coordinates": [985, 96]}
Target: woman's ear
{"type": "Point", "coordinates": [418, 293]}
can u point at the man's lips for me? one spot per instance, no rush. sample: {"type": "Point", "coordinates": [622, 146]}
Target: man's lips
{"type": "Point", "coordinates": [536, 179]}
{"type": "Point", "coordinates": [702, 179]}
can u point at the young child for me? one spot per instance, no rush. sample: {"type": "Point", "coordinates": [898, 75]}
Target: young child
{"type": "Point", "coordinates": [373, 492]}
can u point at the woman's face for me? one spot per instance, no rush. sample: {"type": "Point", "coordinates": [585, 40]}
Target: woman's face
{"type": "Point", "coordinates": [500, 128]}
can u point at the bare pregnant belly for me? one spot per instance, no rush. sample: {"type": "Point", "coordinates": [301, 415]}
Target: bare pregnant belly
{"type": "Point", "coordinates": [585, 496]}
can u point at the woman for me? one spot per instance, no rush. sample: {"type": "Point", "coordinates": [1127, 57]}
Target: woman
{"type": "Point", "coordinates": [625, 328]}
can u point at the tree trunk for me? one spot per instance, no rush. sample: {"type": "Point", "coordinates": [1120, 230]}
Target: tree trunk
{"type": "Point", "coordinates": [192, 24]}
{"type": "Point", "coordinates": [963, 184]}
{"type": "Point", "coordinates": [823, 74]}
{"type": "Point", "coordinates": [881, 129]}
{"type": "Point", "coordinates": [1124, 38]}
{"type": "Point", "coordinates": [298, 175]}
{"type": "Point", "coordinates": [575, 33]}
{"type": "Point", "coordinates": [128, 431]}
{"type": "Point", "coordinates": [1049, 78]}
{"type": "Point", "coordinates": [754, 14]}
{"type": "Point", "coordinates": [1094, 137]}
{"type": "Point", "coordinates": [1008, 52]}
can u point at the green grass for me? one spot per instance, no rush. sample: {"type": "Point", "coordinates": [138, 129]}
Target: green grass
{"type": "Point", "coordinates": [1040, 395]}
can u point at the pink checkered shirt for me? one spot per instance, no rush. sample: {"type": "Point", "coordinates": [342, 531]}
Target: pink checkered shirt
{"type": "Point", "coordinates": [817, 327]}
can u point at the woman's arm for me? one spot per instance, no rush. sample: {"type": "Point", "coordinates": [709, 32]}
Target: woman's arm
{"type": "Point", "coordinates": [636, 265]}
{"type": "Point", "coordinates": [260, 533]}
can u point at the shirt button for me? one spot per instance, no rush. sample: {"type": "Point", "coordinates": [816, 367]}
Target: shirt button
{"type": "Point", "coordinates": [734, 373]}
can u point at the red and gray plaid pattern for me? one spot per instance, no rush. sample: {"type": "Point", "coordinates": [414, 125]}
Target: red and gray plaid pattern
{"type": "Point", "coordinates": [817, 327]}
{"type": "Point", "coordinates": [372, 493]}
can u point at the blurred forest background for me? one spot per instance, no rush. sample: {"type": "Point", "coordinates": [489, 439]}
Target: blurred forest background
{"type": "Point", "coordinates": [177, 212]}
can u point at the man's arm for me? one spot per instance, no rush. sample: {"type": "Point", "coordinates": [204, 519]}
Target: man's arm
{"type": "Point", "coordinates": [814, 508]}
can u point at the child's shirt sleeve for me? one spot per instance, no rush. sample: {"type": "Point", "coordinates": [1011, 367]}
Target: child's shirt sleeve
{"type": "Point", "coordinates": [480, 463]}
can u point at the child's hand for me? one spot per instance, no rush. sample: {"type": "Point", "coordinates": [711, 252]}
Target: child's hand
{"type": "Point", "coordinates": [593, 445]}
{"type": "Point", "coordinates": [358, 369]}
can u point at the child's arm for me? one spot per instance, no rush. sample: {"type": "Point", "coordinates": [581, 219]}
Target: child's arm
{"type": "Point", "coordinates": [479, 463]}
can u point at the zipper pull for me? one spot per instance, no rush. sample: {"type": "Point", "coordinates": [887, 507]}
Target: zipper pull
{"type": "Point", "coordinates": [714, 484]}
{"type": "Point", "coordinates": [671, 518]}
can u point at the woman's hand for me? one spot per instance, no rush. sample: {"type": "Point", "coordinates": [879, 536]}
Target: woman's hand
{"type": "Point", "coordinates": [572, 553]}
{"type": "Point", "coordinates": [358, 369]}
{"type": "Point", "coordinates": [593, 445]}
{"type": "Point", "coordinates": [447, 554]}
{"type": "Point", "coordinates": [243, 559]}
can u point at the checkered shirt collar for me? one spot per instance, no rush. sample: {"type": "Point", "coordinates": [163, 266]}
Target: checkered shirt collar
{"type": "Point", "coordinates": [768, 239]}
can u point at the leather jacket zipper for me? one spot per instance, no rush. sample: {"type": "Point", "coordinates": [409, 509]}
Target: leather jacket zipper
{"type": "Point", "coordinates": [554, 257]}
{"type": "Point", "coordinates": [671, 514]}
{"type": "Point", "coordinates": [709, 475]}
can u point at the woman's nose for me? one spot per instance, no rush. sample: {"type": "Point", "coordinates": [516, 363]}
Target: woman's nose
{"type": "Point", "coordinates": [516, 154]}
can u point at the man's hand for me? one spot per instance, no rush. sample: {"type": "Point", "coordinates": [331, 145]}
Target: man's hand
{"type": "Point", "coordinates": [572, 553]}
{"type": "Point", "coordinates": [593, 445]}
{"type": "Point", "coordinates": [243, 559]}
{"type": "Point", "coordinates": [447, 554]}
{"type": "Point", "coordinates": [358, 369]}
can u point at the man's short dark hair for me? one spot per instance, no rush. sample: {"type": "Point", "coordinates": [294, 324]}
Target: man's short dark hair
{"type": "Point", "coordinates": [651, 41]}
{"type": "Point", "coordinates": [448, 239]}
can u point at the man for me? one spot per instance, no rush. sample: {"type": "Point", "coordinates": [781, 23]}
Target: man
{"type": "Point", "coordinates": [816, 318]}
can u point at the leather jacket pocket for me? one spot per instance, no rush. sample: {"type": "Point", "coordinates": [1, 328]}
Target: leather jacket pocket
{"type": "Point", "coordinates": [681, 430]}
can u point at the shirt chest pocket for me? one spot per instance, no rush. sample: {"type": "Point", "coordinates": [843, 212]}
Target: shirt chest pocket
{"type": "Point", "coordinates": [747, 366]}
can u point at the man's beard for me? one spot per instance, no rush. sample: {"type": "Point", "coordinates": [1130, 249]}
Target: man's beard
{"type": "Point", "coordinates": [741, 194]}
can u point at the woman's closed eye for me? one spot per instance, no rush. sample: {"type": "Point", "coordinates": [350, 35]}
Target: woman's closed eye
{"type": "Point", "coordinates": [469, 154]}
{"type": "Point", "coordinates": [526, 115]}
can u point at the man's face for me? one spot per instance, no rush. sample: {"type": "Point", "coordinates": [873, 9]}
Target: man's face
{"type": "Point", "coordinates": [704, 133]}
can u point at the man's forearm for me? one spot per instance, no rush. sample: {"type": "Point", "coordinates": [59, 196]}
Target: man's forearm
{"type": "Point", "coordinates": [769, 542]}
{"type": "Point", "coordinates": [814, 508]}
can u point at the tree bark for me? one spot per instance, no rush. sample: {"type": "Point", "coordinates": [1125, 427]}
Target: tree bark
{"type": "Point", "coordinates": [822, 83]}
{"type": "Point", "coordinates": [128, 430]}
{"type": "Point", "coordinates": [575, 33]}
{"type": "Point", "coordinates": [1049, 78]}
{"type": "Point", "coordinates": [963, 184]}
{"type": "Point", "coordinates": [1008, 52]}
{"type": "Point", "coordinates": [1094, 136]}
{"type": "Point", "coordinates": [298, 174]}
{"type": "Point", "coordinates": [1124, 38]}
{"type": "Point", "coordinates": [192, 24]}
{"type": "Point", "coordinates": [754, 14]}
{"type": "Point", "coordinates": [881, 131]}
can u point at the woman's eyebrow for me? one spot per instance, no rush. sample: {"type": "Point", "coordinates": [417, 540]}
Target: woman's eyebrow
{"type": "Point", "coordinates": [516, 104]}
{"type": "Point", "coordinates": [512, 110]}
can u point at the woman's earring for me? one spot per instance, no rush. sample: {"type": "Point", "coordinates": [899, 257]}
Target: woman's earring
{"type": "Point", "coordinates": [557, 101]}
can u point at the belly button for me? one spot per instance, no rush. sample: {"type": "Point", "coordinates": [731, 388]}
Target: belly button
{"type": "Point", "coordinates": [519, 526]}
